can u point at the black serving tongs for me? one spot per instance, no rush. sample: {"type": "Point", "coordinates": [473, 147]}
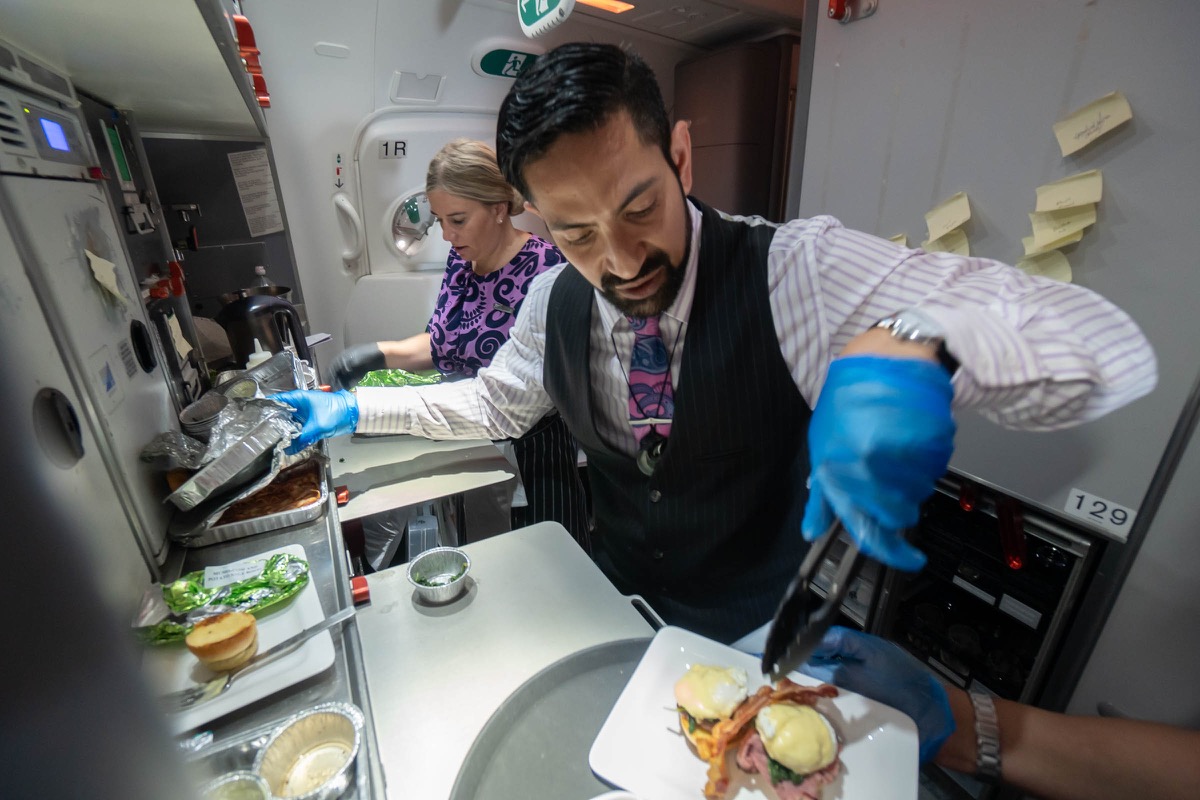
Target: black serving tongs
{"type": "Point", "coordinates": [800, 623]}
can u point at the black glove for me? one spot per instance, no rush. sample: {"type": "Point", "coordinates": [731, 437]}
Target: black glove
{"type": "Point", "coordinates": [355, 362]}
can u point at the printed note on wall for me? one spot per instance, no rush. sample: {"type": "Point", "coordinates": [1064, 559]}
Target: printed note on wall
{"type": "Point", "coordinates": [953, 242]}
{"type": "Point", "coordinates": [1084, 126]}
{"type": "Point", "coordinates": [1032, 249]}
{"type": "Point", "coordinates": [1050, 226]}
{"type": "Point", "coordinates": [256, 189]}
{"type": "Point", "coordinates": [948, 215]}
{"type": "Point", "coordinates": [1074, 190]}
{"type": "Point", "coordinates": [1050, 265]}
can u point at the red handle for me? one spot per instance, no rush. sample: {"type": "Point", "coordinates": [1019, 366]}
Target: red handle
{"type": "Point", "coordinates": [1012, 532]}
{"type": "Point", "coordinates": [838, 10]}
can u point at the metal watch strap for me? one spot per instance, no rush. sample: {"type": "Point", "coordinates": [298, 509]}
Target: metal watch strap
{"type": "Point", "coordinates": [914, 326]}
{"type": "Point", "coordinates": [987, 737]}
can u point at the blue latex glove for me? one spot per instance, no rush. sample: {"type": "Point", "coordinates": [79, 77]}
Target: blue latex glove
{"type": "Point", "coordinates": [321, 415]}
{"type": "Point", "coordinates": [880, 437]}
{"type": "Point", "coordinates": [882, 671]}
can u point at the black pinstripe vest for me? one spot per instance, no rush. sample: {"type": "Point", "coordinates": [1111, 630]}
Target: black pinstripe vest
{"type": "Point", "coordinates": [712, 538]}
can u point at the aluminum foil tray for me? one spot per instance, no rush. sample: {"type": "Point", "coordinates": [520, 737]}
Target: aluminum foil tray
{"type": "Point", "coordinates": [281, 372]}
{"type": "Point", "coordinates": [238, 465]}
{"type": "Point", "coordinates": [212, 534]}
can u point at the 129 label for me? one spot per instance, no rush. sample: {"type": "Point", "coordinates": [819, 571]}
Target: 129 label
{"type": "Point", "coordinates": [1098, 511]}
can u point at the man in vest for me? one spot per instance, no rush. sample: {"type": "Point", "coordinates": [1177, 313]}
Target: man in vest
{"type": "Point", "coordinates": [736, 384]}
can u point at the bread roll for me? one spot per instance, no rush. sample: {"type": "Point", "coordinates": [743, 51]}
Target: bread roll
{"type": "Point", "coordinates": [224, 642]}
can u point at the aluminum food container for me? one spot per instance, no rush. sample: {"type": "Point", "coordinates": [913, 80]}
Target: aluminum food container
{"type": "Point", "coordinates": [198, 418]}
{"type": "Point", "coordinates": [311, 755]}
{"type": "Point", "coordinates": [240, 785]}
{"type": "Point", "coordinates": [446, 568]}
{"type": "Point", "coordinates": [207, 535]}
{"type": "Point", "coordinates": [281, 372]}
{"type": "Point", "coordinates": [237, 465]}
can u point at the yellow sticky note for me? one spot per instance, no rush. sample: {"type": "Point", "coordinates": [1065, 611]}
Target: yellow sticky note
{"type": "Point", "coordinates": [953, 242]}
{"type": "Point", "coordinates": [900, 239]}
{"type": "Point", "coordinates": [1032, 249]}
{"type": "Point", "coordinates": [1081, 128]}
{"type": "Point", "coordinates": [1074, 190]}
{"type": "Point", "coordinates": [182, 346]}
{"type": "Point", "coordinates": [105, 273]}
{"type": "Point", "coordinates": [1050, 226]}
{"type": "Point", "coordinates": [948, 215]}
{"type": "Point", "coordinates": [1050, 265]}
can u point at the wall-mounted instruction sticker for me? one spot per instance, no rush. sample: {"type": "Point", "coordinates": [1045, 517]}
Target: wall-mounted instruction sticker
{"type": "Point", "coordinates": [105, 273]}
{"type": "Point", "coordinates": [1050, 265]}
{"type": "Point", "coordinates": [948, 215]}
{"type": "Point", "coordinates": [1074, 190]}
{"type": "Point", "coordinates": [953, 242]}
{"type": "Point", "coordinates": [1081, 128]}
{"type": "Point", "coordinates": [1050, 226]}
{"type": "Point", "coordinates": [1032, 249]}
{"type": "Point", "coordinates": [252, 174]}
{"type": "Point", "coordinates": [900, 239]}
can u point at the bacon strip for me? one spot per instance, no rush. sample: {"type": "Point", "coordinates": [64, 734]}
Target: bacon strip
{"type": "Point", "coordinates": [729, 733]}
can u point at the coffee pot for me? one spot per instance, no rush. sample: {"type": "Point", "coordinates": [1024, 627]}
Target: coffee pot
{"type": "Point", "coordinates": [270, 320]}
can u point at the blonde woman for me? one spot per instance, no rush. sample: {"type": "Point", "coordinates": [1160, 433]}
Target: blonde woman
{"type": "Point", "coordinates": [488, 273]}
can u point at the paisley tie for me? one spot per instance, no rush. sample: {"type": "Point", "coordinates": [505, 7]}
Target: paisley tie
{"type": "Point", "coordinates": [650, 394]}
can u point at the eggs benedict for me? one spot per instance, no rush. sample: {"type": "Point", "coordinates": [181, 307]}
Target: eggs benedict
{"type": "Point", "coordinates": [704, 696]}
{"type": "Point", "coordinates": [795, 746]}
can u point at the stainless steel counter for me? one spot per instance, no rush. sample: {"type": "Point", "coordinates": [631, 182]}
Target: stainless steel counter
{"type": "Point", "coordinates": [344, 681]}
{"type": "Point", "coordinates": [438, 673]}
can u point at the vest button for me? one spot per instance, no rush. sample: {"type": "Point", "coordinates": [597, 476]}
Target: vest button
{"type": "Point", "coordinates": [655, 495]}
{"type": "Point", "coordinates": [658, 554]}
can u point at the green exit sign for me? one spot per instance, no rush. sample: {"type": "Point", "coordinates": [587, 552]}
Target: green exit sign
{"type": "Point", "coordinates": [505, 63]}
{"type": "Point", "coordinates": [539, 16]}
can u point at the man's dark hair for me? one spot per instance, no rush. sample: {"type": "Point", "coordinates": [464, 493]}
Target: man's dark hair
{"type": "Point", "coordinates": [575, 88]}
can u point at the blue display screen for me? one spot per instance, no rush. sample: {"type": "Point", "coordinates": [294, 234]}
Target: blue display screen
{"type": "Point", "coordinates": [56, 137]}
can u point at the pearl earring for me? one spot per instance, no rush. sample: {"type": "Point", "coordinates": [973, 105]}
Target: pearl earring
{"type": "Point", "coordinates": [499, 220]}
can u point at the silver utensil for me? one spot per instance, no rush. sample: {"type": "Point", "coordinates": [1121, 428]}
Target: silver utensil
{"type": "Point", "coordinates": [800, 623]}
{"type": "Point", "coordinates": [204, 692]}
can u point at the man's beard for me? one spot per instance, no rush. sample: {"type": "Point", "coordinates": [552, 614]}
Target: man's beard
{"type": "Point", "coordinates": [661, 300]}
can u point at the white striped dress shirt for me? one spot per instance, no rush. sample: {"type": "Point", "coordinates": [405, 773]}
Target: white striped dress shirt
{"type": "Point", "coordinates": [1034, 353]}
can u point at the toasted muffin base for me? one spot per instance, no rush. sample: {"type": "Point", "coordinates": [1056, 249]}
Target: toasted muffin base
{"type": "Point", "coordinates": [223, 637]}
{"type": "Point", "coordinates": [236, 660]}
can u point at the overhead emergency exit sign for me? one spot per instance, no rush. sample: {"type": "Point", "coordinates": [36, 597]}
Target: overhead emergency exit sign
{"type": "Point", "coordinates": [539, 16]}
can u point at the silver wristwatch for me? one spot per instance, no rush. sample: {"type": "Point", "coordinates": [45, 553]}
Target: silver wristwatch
{"type": "Point", "coordinates": [987, 737]}
{"type": "Point", "coordinates": [913, 326]}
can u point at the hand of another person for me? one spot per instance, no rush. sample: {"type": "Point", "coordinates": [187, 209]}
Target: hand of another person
{"type": "Point", "coordinates": [882, 671]}
{"type": "Point", "coordinates": [880, 437]}
{"type": "Point", "coordinates": [354, 362]}
{"type": "Point", "coordinates": [321, 415]}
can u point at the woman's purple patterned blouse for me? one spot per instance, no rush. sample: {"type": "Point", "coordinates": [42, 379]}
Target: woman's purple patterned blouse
{"type": "Point", "coordinates": [474, 313]}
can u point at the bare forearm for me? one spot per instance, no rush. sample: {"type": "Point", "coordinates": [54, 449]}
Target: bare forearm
{"type": "Point", "coordinates": [1061, 757]}
{"type": "Point", "coordinates": [412, 354]}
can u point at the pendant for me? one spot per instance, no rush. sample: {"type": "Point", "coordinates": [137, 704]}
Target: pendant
{"type": "Point", "coordinates": [650, 452]}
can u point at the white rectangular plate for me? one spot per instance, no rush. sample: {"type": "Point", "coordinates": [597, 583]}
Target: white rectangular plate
{"type": "Point", "coordinates": [641, 749]}
{"type": "Point", "coordinates": [172, 667]}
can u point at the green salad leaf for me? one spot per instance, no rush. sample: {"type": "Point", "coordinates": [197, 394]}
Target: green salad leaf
{"type": "Point", "coordinates": [400, 377]}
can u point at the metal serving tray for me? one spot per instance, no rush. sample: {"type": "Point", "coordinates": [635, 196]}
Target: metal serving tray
{"type": "Point", "coordinates": [240, 464]}
{"type": "Point", "coordinates": [268, 522]}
